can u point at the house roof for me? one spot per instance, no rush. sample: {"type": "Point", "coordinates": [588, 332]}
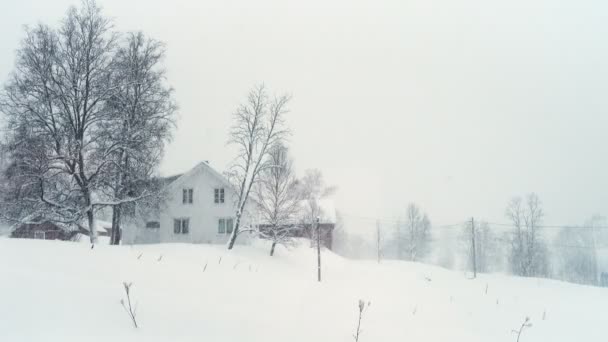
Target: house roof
{"type": "Point", "coordinates": [204, 165]}
{"type": "Point", "coordinates": [170, 179]}
{"type": "Point", "coordinates": [100, 226]}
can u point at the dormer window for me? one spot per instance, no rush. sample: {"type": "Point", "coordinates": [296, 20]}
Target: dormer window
{"type": "Point", "coordinates": [187, 196]}
{"type": "Point", "coordinates": [218, 195]}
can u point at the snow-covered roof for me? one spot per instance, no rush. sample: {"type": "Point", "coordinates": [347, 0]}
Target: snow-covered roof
{"type": "Point", "coordinates": [204, 165]}
{"type": "Point", "coordinates": [100, 225]}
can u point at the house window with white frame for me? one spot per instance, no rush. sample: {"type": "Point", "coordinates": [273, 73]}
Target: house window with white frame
{"type": "Point", "coordinates": [218, 195]}
{"type": "Point", "coordinates": [187, 196]}
{"type": "Point", "coordinates": [225, 225]}
{"type": "Point", "coordinates": [39, 235]}
{"type": "Point", "coordinates": [181, 226]}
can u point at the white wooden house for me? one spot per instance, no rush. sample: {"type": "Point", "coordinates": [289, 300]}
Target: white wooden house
{"type": "Point", "coordinates": [199, 209]}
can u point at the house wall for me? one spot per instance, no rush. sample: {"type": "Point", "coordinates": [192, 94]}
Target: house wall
{"type": "Point", "coordinates": [203, 213]}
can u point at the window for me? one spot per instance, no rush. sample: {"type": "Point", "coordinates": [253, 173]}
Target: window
{"type": "Point", "coordinates": [187, 196]}
{"type": "Point", "coordinates": [39, 235]}
{"type": "Point", "coordinates": [225, 226]}
{"type": "Point", "coordinates": [229, 226]}
{"type": "Point", "coordinates": [185, 226]}
{"type": "Point", "coordinates": [218, 196]}
{"type": "Point", "coordinates": [152, 224]}
{"type": "Point", "coordinates": [181, 226]}
{"type": "Point", "coordinates": [221, 226]}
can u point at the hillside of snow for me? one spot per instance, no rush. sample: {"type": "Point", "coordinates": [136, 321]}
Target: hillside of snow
{"type": "Point", "coordinates": [62, 291]}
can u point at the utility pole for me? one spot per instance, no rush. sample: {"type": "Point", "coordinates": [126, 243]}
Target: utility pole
{"type": "Point", "coordinates": [593, 241]}
{"type": "Point", "coordinates": [378, 240]}
{"type": "Point", "coordinates": [318, 251]}
{"type": "Point", "coordinates": [473, 246]}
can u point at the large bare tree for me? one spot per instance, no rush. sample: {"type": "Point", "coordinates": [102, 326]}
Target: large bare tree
{"type": "Point", "coordinates": [142, 115]}
{"type": "Point", "coordinates": [278, 198]}
{"type": "Point", "coordinates": [258, 125]}
{"type": "Point", "coordinates": [59, 105]}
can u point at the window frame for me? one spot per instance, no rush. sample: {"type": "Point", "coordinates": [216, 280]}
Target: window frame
{"type": "Point", "coordinates": [221, 226]}
{"type": "Point", "coordinates": [219, 196]}
{"type": "Point", "coordinates": [185, 226]}
{"type": "Point", "coordinates": [37, 236]}
{"type": "Point", "coordinates": [231, 225]}
{"type": "Point", "coordinates": [181, 226]}
{"type": "Point", "coordinates": [187, 195]}
{"type": "Point", "coordinates": [225, 225]}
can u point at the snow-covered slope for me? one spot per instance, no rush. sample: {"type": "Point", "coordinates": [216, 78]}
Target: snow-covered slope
{"type": "Point", "coordinates": [61, 291]}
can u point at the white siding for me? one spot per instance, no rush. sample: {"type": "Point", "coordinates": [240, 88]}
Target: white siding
{"type": "Point", "coordinates": [203, 213]}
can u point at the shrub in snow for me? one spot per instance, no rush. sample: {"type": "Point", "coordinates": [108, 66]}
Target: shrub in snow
{"type": "Point", "coordinates": [130, 309]}
{"type": "Point", "coordinates": [525, 324]}
{"type": "Point", "coordinates": [361, 309]}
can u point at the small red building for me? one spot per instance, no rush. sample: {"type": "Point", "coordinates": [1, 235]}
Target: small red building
{"type": "Point", "coordinates": [43, 231]}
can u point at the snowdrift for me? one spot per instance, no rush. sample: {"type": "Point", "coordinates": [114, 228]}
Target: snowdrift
{"type": "Point", "coordinates": [62, 291]}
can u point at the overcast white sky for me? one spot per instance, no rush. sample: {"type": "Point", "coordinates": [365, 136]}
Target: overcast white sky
{"type": "Point", "coordinates": [456, 105]}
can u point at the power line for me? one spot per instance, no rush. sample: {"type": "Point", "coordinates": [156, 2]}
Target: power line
{"type": "Point", "coordinates": [460, 224]}
{"type": "Point", "coordinates": [397, 221]}
{"type": "Point", "coordinates": [564, 226]}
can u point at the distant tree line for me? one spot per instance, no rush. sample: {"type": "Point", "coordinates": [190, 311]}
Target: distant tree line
{"type": "Point", "coordinates": [522, 245]}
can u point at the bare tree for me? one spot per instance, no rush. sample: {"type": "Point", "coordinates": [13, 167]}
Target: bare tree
{"type": "Point", "coordinates": [57, 94]}
{"type": "Point", "coordinates": [142, 116]}
{"type": "Point", "coordinates": [413, 235]}
{"type": "Point", "coordinates": [69, 107]}
{"type": "Point", "coordinates": [576, 253]}
{"type": "Point", "coordinates": [314, 190]}
{"type": "Point", "coordinates": [528, 255]}
{"type": "Point", "coordinates": [259, 125]}
{"type": "Point", "coordinates": [277, 197]}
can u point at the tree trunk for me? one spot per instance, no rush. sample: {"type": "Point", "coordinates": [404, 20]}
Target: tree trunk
{"type": "Point", "coordinates": [234, 232]}
{"type": "Point", "coordinates": [92, 227]}
{"type": "Point", "coordinates": [116, 219]}
{"type": "Point", "coordinates": [274, 244]}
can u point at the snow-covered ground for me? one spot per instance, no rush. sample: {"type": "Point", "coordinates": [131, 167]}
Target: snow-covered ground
{"type": "Point", "coordinates": [62, 291]}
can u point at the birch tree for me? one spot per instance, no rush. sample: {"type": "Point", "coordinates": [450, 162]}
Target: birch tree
{"type": "Point", "coordinates": [259, 124]}
{"type": "Point", "coordinates": [278, 198]}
